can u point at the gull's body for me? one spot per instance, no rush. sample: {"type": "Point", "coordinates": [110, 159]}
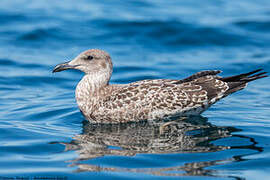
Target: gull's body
{"type": "Point", "coordinates": [101, 102]}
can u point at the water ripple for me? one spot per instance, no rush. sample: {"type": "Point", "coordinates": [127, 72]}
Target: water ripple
{"type": "Point", "coordinates": [43, 132]}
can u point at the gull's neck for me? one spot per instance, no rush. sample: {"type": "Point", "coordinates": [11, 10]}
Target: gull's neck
{"type": "Point", "coordinates": [88, 89]}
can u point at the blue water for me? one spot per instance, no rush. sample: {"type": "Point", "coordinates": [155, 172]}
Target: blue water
{"type": "Point", "coordinates": [43, 133]}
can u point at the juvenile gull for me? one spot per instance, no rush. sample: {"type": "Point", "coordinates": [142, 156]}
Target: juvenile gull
{"type": "Point", "coordinates": [102, 102]}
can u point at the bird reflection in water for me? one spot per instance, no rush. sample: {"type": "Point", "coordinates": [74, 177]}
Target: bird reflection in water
{"type": "Point", "coordinates": [193, 135]}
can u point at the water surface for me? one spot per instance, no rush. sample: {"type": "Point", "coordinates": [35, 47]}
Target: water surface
{"type": "Point", "coordinates": [44, 134]}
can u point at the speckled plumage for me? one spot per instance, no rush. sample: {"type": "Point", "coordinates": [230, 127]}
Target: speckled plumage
{"type": "Point", "coordinates": [147, 99]}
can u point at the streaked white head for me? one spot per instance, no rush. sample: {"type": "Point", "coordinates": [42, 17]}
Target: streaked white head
{"type": "Point", "coordinates": [95, 63]}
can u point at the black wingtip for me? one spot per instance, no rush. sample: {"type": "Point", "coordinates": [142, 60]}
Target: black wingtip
{"type": "Point", "coordinates": [250, 76]}
{"type": "Point", "coordinates": [255, 77]}
{"type": "Point", "coordinates": [252, 72]}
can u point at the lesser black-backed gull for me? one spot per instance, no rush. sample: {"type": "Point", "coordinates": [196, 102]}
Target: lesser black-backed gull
{"type": "Point", "coordinates": [102, 102]}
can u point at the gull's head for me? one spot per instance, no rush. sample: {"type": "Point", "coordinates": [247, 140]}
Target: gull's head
{"type": "Point", "coordinates": [93, 61]}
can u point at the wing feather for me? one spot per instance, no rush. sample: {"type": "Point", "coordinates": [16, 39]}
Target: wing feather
{"type": "Point", "coordinates": [153, 99]}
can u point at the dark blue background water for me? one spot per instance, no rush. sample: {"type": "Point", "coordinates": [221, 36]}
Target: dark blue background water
{"type": "Point", "coordinates": [43, 133]}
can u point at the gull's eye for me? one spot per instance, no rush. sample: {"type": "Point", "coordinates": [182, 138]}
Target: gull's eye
{"type": "Point", "coordinates": [89, 57]}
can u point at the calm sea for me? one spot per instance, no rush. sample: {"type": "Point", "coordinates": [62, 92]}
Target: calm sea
{"type": "Point", "coordinates": [43, 134]}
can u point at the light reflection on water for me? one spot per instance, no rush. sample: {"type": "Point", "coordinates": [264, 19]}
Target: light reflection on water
{"type": "Point", "coordinates": [193, 135]}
